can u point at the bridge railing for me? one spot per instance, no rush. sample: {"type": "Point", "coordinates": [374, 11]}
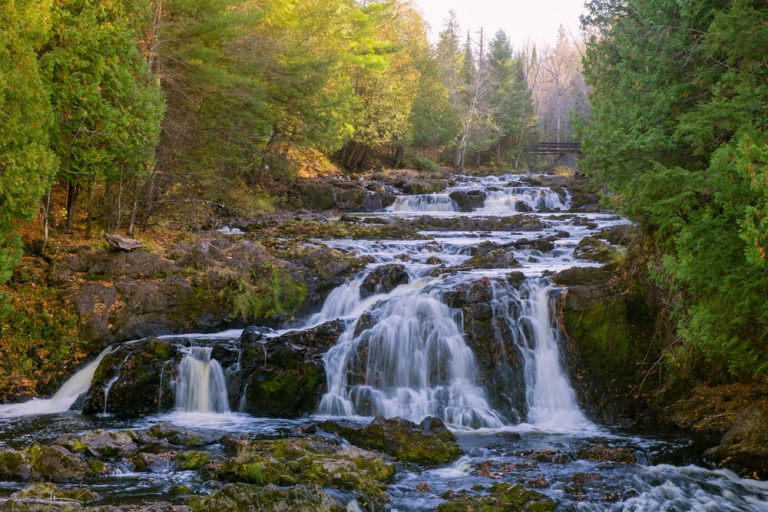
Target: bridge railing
{"type": "Point", "coordinates": [554, 148]}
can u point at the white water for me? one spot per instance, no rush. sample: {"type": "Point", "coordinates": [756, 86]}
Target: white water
{"type": "Point", "coordinates": [63, 399]}
{"type": "Point", "coordinates": [412, 362]}
{"type": "Point", "coordinates": [508, 200]}
{"type": "Point", "coordinates": [423, 203]}
{"type": "Point", "coordinates": [550, 397]}
{"type": "Point", "coordinates": [201, 387]}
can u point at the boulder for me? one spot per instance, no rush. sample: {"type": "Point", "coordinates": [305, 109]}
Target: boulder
{"type": "Point", "coordinates": [270, 498]}
{"type": "Point", "coordinates": [309, 460]}
{"type": "Point", "coordinates": [102, 444]}
{"type": "Point", "coordinates": [122, 243]}
{"type": "Point", "coordinates": [490, 255]}
{"type": "Point", "coordinates": [592, 248]}
{"type": "Point", "coordinates": [468, 200]}
{"type": "Point", "coordinates": [744, 448]}
{"type": "Point", "coordinates": [57, 464]}
{"type": "Point", "coordinates": [429, 443]}
{"type": "Point", "coordinates": [284, 376]}
{"type": "Point", "coordinates": [384, 279]}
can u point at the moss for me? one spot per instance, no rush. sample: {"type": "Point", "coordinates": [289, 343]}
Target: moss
{"type": "Point", "coordinates": [11, 463]}
{"type": "Point", "coordinates": [96, 468]}
{"type": "Point", "coordinates": [501, 497]}
{"type": "Point", "coordinates": [49, 491]}
{"type": "Point", "coordinates": [180, 490]}
{"type": "Point", "coordinates": [238, 497]}
{"type": "Point", "coordinates": [191, 460]}
{"type": "Point", "coordinates": [309, 461]}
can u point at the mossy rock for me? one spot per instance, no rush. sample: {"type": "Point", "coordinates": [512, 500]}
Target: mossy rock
{"type": "Point", "coordinates": [309, 460]}
{"type": "Point", "coordinates": [49, 491]}
{"type": "Point", "coordinates": [269, 498]}
{"type": "Point", "coordinates": [56, 463]}
{"type": "Point", "coordinates": [14, 465]}
{"type": "Point", "coordinates": [501, 497]}
{"type": "Point", "coordinates": [429, 443]}
{"type": "Point", "coordinates": [191, 460]}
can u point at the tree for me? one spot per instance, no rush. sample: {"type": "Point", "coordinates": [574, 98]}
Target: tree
{"type": "Point", "coordinates": [678, 133]}
{"type": "Point", "coordinates": [27, 165]}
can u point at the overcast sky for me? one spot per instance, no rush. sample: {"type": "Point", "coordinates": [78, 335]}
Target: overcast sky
{"type": "Point", "coordinates": [536, 20]}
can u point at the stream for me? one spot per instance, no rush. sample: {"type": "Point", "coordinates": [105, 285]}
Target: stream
{"type": "Point", "coordinates": [403, 352]}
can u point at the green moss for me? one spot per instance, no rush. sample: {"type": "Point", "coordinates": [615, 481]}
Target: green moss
{"type": "Point", "coordinates": [49, 491]}
{"type": "Point", "coordinates": [191, 460]}
{"type": "Point", "coordinates": [96, 468]}
{"type": "Point", "coordinates": [501, 497]}
{"type": "Point", "coordinates": [11, 463]}
{"type": "Point", "coordinates": [308, 461]}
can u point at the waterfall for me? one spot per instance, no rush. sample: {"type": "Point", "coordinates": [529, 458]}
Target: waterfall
{"type": "Point", "coordinates": [63, 399]}
{"type": "Point", "coordinates": [531, 320]}
{"type": "Point", "coordinates": [509, 200]}
{"type": "Point", "coordinates": [423, 203]}
{"type": "Point", "coordinates": [411, 362]}
{"type": "Point", "coordinates": [201, 386]}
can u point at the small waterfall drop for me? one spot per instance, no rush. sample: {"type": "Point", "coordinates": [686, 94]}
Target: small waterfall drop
{"type": "Point", "coordinates": [423, 203]}
{"type": "Point", "coordinates": [529, 314]}
{"type": "Point", "coordinates": [201, 386]}
{"type": "Point", "coordinates": [63, 399]}
{"type": "Point", "coordinates": [523, 199]}
{"type": "Point", "coordinates": [411, 362]}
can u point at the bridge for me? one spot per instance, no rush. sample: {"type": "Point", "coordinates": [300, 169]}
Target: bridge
{"type": "Point", "coordinates": [556, 148]}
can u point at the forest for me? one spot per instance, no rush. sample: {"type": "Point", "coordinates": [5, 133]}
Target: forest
{"type": "Point", "coordinates": [333, 255]}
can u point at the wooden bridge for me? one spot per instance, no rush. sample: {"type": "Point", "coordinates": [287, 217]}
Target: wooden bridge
{"type": "Point", "coordinates": [556, 148]}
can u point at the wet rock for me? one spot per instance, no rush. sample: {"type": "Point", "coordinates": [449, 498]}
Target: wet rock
{"type": "Point", "coordinates": [384, 279]}
{"type": "Point", "coordinates": [592, 248]}
{"type": "Point", "coordinates": [490, 255]}
{"type": "Point", "coordinates": [151, 462]}
{"type": "Point", "coordinates": [102, 444]}
{"type": "Point", "coordinates": [712, 409]}
{"type": "Point", "coordinates": [57, 464]}
{"type": "Point", "coordinates": [510, 223]}
{"type": "Point", "coordinates": [604, 453]}
{"type": "Point", "coordinates": [744, 448]}
{"type": "Point", "coordinates": [434, 260]}
{"type": "Point", "coordinates": [468, 200]}
{"type": "Point", "coordinates": [309, 460]}
{"type": "Point", "coordinates": [549, 456]}
{"type": "Point", "coordinates": [285, 375]}
{"type": "Point", "coordinates": [270, 498]}
{"type": "Point", "coordinates": [138, 376]}
{"type": "Point", "coordinates": [500, 364]}
{"type": "Point", "coordinates": [501, 497]}
{"type": "Point", "coordinates": [429, 443]}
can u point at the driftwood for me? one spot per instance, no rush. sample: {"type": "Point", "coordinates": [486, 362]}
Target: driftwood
{"type": "Point", "coordinates": [121, 243]}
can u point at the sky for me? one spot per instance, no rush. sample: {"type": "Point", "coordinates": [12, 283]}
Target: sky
{"type": "Point", "coordinates": [535, 20]}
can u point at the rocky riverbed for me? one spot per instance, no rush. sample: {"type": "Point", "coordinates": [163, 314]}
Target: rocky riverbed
{"type": "Point", "coordinates": [449, 343]}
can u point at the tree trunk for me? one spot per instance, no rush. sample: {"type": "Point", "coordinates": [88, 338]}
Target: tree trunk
{"type": "Point", "coordinates": [72, 192]}
{"type": "Point", "coordinates": [399, 158]}
{"type": "Point", "coordinates": [89, 210]}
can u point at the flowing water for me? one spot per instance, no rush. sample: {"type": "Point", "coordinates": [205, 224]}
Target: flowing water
{"type": "Point", "coordinates": [405, 352]}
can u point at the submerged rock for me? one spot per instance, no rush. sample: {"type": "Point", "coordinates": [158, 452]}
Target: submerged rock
{"type": "Point", "coordinates": [604, 453]}
{"type": "Point", "coordinates": [501, 497]}
{"type": "Point", "coordinates": [429, 443]}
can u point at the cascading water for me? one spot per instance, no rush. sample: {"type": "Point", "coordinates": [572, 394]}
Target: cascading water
{"type": "Point", "coordinates": [63, 399]}
{"type": "Point", "coordinates": [523, 199]}
{"type": "Point", "coordinates": [201, 386]}
{"type": "Point", "coordinates": [423, 203]}
{"type": "Point", "coordinates": [411, 362]}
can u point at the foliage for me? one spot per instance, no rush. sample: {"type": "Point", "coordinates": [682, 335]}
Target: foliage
{"type": "Point", "coordinates": [27, 164]}
{"type": "Point", "coordinates": [679, 135]}
{"type": "Point", "coordinates": [425, 164]}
